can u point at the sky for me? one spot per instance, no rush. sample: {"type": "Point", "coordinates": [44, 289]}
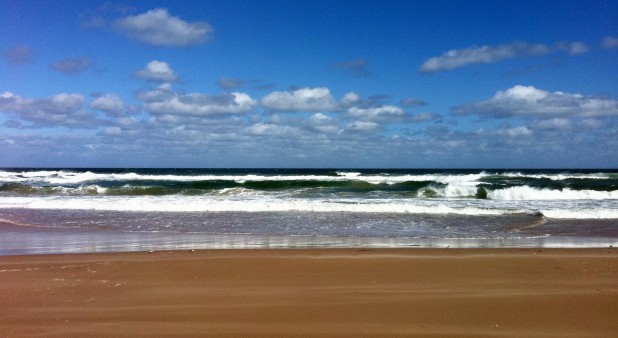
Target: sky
{"type": "Point", "coordinates": [330, 84]}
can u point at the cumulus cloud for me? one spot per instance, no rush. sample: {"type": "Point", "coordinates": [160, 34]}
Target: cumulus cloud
{"type": "Point", "coordinates": [305, 99]}
{"type": "Point", "coordinates": [323, 123]}
{"type": "Point", "coordinates": [156, 71]}
{"type": "Point", "coordinates": [62, 109]}
{"type": "Point", "coordinates": [610, 42]}
{"type": "Point", "coordinates": [164, 101]}
{"type": "Point", "coordinates": [530, 101]}
{"type": "Point", "coordinates": [157, 27]}
{"type": "Point", "coordinates": [457, 58]}
{"type": "Point", "coordinates": [108, 103]}
{"type": "Point", "coordinates": [72, 66]}
{"type": "Point", "coordinates": [384, 113]}
{"type": "Point", "coordinates": [20, 55]}
{"type": "Point", "coordinates": [356, 67]}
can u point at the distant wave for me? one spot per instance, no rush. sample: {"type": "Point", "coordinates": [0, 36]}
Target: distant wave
{"type": "Point", "coordinates": [577, 195]}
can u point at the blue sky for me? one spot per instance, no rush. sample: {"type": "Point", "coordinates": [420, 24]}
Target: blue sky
{"type": "Point", "coordinates": [429, 84]}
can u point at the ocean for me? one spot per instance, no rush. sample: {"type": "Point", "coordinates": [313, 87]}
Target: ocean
{"type": "Point", "coordinates": [84, 210]}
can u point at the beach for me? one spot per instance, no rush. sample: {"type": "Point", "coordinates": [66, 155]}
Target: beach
{"type": "Point", "coordinates": [516, 292]}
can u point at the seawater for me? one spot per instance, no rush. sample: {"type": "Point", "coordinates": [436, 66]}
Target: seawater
{"type": "Point", "coordinates": [326, 203]}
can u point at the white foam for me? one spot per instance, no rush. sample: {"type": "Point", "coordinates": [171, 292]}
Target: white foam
{"type": "Point", "coordinates": [234, 203]}
{"type": "Point", "coordinates": [528, 193]}
{"type": "Point", "coordinates": [581, 213]}
{"type": "Point", "coordinates": [558, 177]}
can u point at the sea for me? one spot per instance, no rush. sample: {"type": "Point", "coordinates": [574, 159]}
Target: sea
{"type": "Point", "coordinates": [97, 210]}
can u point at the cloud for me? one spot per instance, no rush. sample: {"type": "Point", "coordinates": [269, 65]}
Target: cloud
{"type": "Point", "coordinates": [157, 27]}
{"type": "Point", "coordinates": [575, 48]}
{"type": "Point", "coordinates": [305, 99]}
{"type": "Point", "coordinates": [230, 83]}
{"type": "Point", "coordinates": [356, 67]}
{"type": "Point", "coordinates": [556, 123]}
{"type": "Point", "coordinates": [108, 103]}
{"type": "Point", "coordinates": [156, 71]}
{"type": "Point", "coordinates": [58, 110]}
{"type": "Point", "coordinates": [425, 117]}
{"type": "Point", "coordinates": [457, 58]}
{"type": "Point", "coordinates": [270, 129]}
{"type": "Point", "coordinates": [20, 55]}
{"type": "Point", "coordinates": [323, 124]}
{"type": "Point", "coordinates": [610, 42]}
{"type": "Point", "coordinates": [163, 101]}
{"type": "Point", "coordinates": [363, 126]}
{"type": "Point", "coordinates": [506, 132]}
{"type": "Point", "coordinates": [72, 66]}
{"type": "Point", "coordinates": [591, 124]}
{"type": "Point", "coordinates": [384, 113]}
{"type": "Point", "coordinates": [530, 101]}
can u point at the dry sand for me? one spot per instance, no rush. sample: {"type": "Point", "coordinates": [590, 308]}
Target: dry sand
{"type": "Point", "coordinates": [321, 292]}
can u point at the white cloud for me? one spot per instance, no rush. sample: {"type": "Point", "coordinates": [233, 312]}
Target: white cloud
{"type": "Point", "coordinates": [610, 42]}
{"type": "Point", "coordinates": [305, 99]}
{"type": "Point", "coordinates": [349, 99]}
{"type": "Point", "coordinates": [485, 54]}
{"type": "Point", "coordinates": [158, 28]}
{"type": "Point", "coordinates": [269, 129]}
{"type": "Point", "coordinates": [530, 101]}
{"type": "Point", "coordinates": [109, 103]}
{"type": "Point", "coordinates": [200, 104]}
{"type": "Point", "coordinates": [156, 71]}
{"type": "Point", "coordinates": [384, 113]}
{"type": "Point", "coordinates": [61, 109]}
{"type": "Point", "coordinates": [71, 66]}
{"type": "Point", "coordinates": [323, 124]}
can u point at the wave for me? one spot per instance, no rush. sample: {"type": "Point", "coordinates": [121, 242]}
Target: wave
{"type": "Point", "coordinates": [243, 204]}
{"type": "Point", "coordinates": [528, 193]}
{"type": "Point", "coordinates": [237, 200]}
{"type": "Point", "coordinates": [68, 177]}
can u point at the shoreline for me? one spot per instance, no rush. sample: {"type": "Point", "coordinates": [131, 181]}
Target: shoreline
{"type": "Point", "coordinates": [24, 240]}
{"type": "Point", "coordinates": [313, 292]}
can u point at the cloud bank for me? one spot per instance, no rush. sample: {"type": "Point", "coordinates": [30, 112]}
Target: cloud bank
{"type": "Point", "coordinates": [529, 101]}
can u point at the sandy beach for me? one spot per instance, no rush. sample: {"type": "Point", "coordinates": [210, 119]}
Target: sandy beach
{"type": "Point", "coordinates": [321, 292]}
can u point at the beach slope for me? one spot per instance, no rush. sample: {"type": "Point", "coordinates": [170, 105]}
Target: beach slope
{"type": "Point", "coordinates": [321, 292]}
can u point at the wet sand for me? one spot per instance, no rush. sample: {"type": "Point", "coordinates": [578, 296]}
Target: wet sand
{"type": "Point", "coordinates": [320, 292]}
